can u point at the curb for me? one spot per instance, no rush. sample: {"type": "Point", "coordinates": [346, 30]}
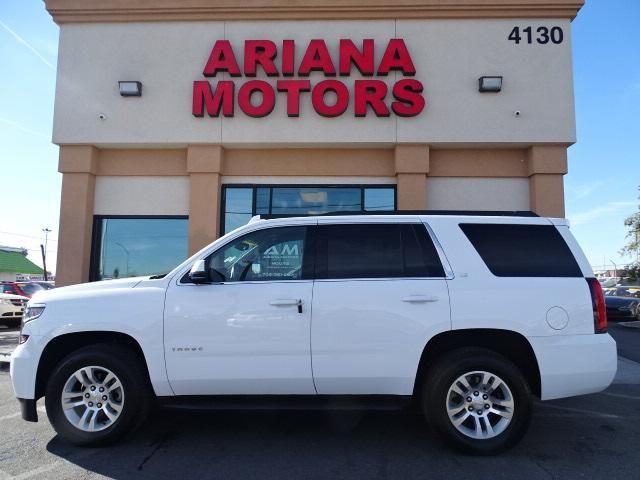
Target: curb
{"type": "Point", "coordinates": [634, 324]}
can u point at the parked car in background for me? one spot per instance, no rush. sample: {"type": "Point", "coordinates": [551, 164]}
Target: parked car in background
{"type": "Point", "coordinates": [25, 289]}
{"type": "Point", "coordinates": [11, 309]}
{"type": "Point", "coordinates": [622, 307]}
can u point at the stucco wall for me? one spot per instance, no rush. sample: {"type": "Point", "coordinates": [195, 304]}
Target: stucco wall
{"type": "Point", "coordinates": [449, 56]}
{"type": "Point", "coordinates": [141, 195]}
{"type": "Point", "coordinates": [459, 193]}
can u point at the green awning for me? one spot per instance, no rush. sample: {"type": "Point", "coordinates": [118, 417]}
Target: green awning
{"type": "Point", "coordinates": [15, 262]}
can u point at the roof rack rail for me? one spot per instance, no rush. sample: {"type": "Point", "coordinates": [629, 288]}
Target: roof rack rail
{"type": "Point", "coordinates": [471, 213]}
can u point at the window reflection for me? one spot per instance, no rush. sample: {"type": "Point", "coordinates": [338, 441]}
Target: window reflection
{"type": "Point", "coordinates": [241, 203]}
{"type": "Point", "coordinates": [131, 247]}
{"type": "Point", "coordinates": [238, 207]}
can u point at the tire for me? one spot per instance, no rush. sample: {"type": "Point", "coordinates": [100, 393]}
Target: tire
{"type": "Point", "coordinates": [128, 396]}
{"type": "Point", "coordinates": [500, 426]}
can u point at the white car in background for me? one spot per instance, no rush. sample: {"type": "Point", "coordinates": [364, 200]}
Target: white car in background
{"type": "Point", "coordinates": [11, 309]}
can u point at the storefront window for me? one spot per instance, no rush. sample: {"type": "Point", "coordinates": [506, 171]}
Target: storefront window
{"type": "Point", "coordinates": [379, 199]}
{"type": "Point", "coordinates": [238, 207]}
{"type": "Point", "coordinates": [130, 247]}
{"type": "Point", "coordinates": [242, 202]}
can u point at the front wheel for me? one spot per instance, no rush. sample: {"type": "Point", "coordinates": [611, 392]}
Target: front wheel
{"type": "Point", "coordinates": [478, 400]}
{"type": "Point", "coordinates": [96, 395]}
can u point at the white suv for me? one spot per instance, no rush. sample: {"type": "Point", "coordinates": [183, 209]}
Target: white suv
{"type": "Point", "coordinates": [467, 316]}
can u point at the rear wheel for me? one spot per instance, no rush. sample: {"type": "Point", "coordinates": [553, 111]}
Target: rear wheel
{"type": "Point", "coordinates": [478, 400]}
{"type": "Point", "coordinates": [97, 394]}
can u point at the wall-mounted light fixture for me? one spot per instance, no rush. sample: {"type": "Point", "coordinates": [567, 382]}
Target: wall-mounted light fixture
{"type": "Point", "coordinates": [130, 88]}
{"type": "Point", "coordinates": [490, 84]}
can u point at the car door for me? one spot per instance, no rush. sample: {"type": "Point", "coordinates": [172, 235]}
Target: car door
{"type": "Point", "coordinates": [379, 296]}
{"type": "Point", "coordinates": [246, 332]}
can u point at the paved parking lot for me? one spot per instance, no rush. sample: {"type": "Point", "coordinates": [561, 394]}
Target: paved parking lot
{"type": "Point", "coordinates": [591, 437]}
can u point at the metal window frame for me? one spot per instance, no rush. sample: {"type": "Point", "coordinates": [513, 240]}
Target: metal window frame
{"type": "Point", "coordinates": [271, 186]}
{"type": "Point", "coordinates": [96, 236]}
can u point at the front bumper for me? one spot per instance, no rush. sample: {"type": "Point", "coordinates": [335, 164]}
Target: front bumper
{"type": "Point", "coordinates": [24, 367]}
{"type": "Point", "coordinates": [575, 364]}
{"type": "Point", "coordinates": [28, 409]}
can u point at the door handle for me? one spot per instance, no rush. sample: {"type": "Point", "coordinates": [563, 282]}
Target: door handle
{"type": "Point", "coordinates": [287, 301]}
{"type": "Point", "coordinates": [420, 298]}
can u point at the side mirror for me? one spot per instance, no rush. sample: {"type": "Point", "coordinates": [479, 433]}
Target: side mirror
{"type": "Point", "coordinates": [198, 273]}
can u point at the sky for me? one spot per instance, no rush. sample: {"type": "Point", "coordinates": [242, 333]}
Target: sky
{"type": "Point", "coordinates": [604, 165]}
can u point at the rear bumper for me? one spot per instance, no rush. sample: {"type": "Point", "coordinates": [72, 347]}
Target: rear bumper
{"type": "Point", "coordinates": [575, 364]}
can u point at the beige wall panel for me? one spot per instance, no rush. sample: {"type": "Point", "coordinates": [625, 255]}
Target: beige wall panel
{"type": "Point", "coordinates": [449, 56]}
{"type": "Point", "coordinates": [493, 162]}
{"type": "Point", "coordinates": [142, 195]}
{"type": "Point", "coordinates": [171, 162]}
{"type": "Point", "coordinates": [312, 162]}
{"type": "Point", "coordinates": [411, 192]}
{"type": "Point", "coordinates": [165, 57]}
{"type": "Point", "coordinates": [547, 195]}
{"type": "Point", "coordinates": [457, 193]}
{"type": "Point", "coordinates": [452, 55]}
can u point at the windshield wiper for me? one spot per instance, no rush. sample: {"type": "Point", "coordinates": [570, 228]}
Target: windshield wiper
{"type": "Point", "coordinates": [157, 277]}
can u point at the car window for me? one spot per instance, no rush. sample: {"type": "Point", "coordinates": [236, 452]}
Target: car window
{"type": "Point", "coordinates": [7, 289]}
{"type": "Point", "coordinates": [272, 254]}
{"type": "Point", "coordinates": [511, 250]}
{"type": "Point", "coordinates": [30, 288]}
{"type": "Point", "coordinates": [376, 251]}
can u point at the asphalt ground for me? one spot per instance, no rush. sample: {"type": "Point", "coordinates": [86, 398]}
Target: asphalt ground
{"type": "Point", "coordinates": [592, 437]}
{"type": "Point", "coordinates": [627, 339]}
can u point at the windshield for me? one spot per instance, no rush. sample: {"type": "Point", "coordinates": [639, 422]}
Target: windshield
{"type": "Point", "coordinates": [31, 288]}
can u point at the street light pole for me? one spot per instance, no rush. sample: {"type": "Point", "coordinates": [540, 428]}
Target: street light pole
{"type": "Point", "coordinates": [43, 249]}
{"type": "Point", "coordinates": [615, 268]}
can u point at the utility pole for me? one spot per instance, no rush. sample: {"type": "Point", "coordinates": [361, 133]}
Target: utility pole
{"type": "Point", "coordinates": [43, 249]}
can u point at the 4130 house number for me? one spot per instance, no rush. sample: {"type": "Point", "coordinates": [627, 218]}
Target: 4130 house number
{"type": "Point", "coordinates": [542, 35]}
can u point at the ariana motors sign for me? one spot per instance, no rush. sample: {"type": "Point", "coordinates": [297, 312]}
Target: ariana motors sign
{"type": "Point", "coordinates": [329, 97]}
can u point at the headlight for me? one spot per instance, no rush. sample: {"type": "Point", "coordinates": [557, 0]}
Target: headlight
{"type": "Point", "coordinates": [5, 302]}
{"type": "Point", "coordinates": [32, 312]}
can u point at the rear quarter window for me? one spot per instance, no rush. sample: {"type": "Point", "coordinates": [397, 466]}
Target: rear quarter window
{"type": "Point", "coordinates": [522, 250]}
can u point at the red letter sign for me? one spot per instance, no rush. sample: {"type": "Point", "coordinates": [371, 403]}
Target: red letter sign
{"type": "Point", "coordinates": [202, 96]}
{"type": "Point", "coordinates": [222, 59]}
{"type": "Point", "coordinates": [371, 92]}
{"type": "Point", "coordinates": [317, 58]}
{"type": "Point", "coordinates": [396, 57]}
{"type": "Point", "coordinates": [363, 61]}
{"type": "Point", "coordinates": [261, 52]}
{"type": "Point", "coordinates": [293, 89]}
{"type": "Point", "coordinates": [268, 98]}
{"type": "Point", "coordinates": [410, 102]}
{"type": "Point", "coordinates": [288, 57]}
{"type": "Point", "coordinates": [342, 98]}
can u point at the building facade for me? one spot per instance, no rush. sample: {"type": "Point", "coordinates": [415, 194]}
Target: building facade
{"type": "Point", "coordinates": [230, 109]}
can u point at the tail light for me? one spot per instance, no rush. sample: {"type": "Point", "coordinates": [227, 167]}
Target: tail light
{"type": "Point", "coordinates": [599, 308]}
